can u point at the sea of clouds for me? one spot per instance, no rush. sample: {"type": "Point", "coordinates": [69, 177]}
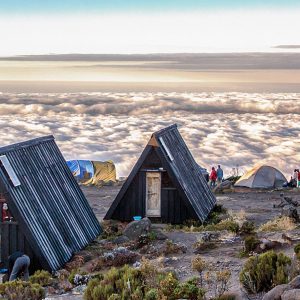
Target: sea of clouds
{"type": "Point", "coordinates": [233, 129]}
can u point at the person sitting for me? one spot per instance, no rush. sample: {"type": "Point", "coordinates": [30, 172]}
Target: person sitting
{"type": "Point", "coordinates": [6, 216]}
{"type": "Point", "coordinates": [18, 264]}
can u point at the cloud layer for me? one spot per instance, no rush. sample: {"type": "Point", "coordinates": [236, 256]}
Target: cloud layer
{"type": "Point", "coordinates": [228, 128]}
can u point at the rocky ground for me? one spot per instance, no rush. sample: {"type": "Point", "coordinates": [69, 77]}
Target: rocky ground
{"type": "Point", "coordinates": [256, 206]}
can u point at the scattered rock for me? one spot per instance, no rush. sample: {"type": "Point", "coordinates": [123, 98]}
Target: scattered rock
{"type": "Point", "coordinates": [121, 240]}
{"type": "Point", "coordinates": [136, 228]}
{"type": "Point", "coordinates": [159, 235]}
{"type": "Point", "coordinates": [276, 292]}
{"type": "Point", "coordinates": [290, 211]}
{"type": "Point", "coordinates": [136, 265]}
{"type": "Point", "coordinates": [267, 244]}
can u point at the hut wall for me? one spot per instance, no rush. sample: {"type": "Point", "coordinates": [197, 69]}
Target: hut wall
{"type": "Point", "coordinates": [12, 240]}
{"type": "Point", "coordinates": [173, 208]}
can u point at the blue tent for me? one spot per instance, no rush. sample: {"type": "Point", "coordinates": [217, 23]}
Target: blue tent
{"type": "Point", "coordinates": [81, 169]}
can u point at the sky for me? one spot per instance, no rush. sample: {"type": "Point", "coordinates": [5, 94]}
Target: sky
{"type": "Point", "coordinates": [43, 27]}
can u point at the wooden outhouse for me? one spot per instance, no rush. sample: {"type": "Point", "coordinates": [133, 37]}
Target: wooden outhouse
{"type": "Point", "coordinates": [50, 216]}
{"type": "Point", "coordinates": [166, 184]}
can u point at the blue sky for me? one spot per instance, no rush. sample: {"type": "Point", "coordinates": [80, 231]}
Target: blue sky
{"type": "Point", "coordinates": [124, 5]}
{"type": "Point", "coordinates": [157, 26]}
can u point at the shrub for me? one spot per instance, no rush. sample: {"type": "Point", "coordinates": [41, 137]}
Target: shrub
{"type": "Point", "coordinates": [152, 295]}
{"type": "Point", "coordinates": [76, 262]}
{"type": "Point", "coordinates": [168, 287]}
{"type": "Point", "coordinates": [41, 277]}
{"type": "Point", "coordinates": [190, 290]}
{"type": "Point", "coordinates": [202, 246]}
{"type": "Point", "coordinates": [278, 224]}
{"type": "Point", "coordinates": [218, 281]}
{"type": "Point", "coordinates": [227, 224]}
{"type": "Point", "coordinates": [21, 290]}
{"type": "Point", "coordinates": [297, 251]}
{"type": "Point", "coordinates": [247, 228]}
{"type": "Point", "coordinates": [124, 282]}
{"type": "Point", "coordinates": [199, 265]}
{"type": "Point", "coordinates": [111, 229]}
{"type": "Point", "coordinates": [264, 271]}
{"type": "Point", "coordinates": [250, 243]}
{"type": "Point", "coordinates": [117, 258]}
{"type": "Point", "coordinates": [172, 248]}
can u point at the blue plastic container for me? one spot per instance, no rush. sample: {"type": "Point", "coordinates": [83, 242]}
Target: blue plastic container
{"type": "Point", "coordinates": [3, 271]}
{"type": "Point", "coordinates": [137, 218]}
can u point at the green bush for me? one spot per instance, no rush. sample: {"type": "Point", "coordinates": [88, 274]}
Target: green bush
{"type": "Point", "coordinates": [227, 224]}
{"type": "Point", "coordinates": [190, 290]}
{"type": "Point", "coordinates": [262, 272]}
{"type": "Point", "coordinates": [297, 251]}
{"type": "Point", "coordinates": [152, 295]}
{"type": "Point", "coordinates": [125, 282]}
{"type": "Point", "coordinates": [251, 242]}
{"type": "Point", "coordinates": [168, 286]}
{"type": "Point", "coordinates": [21, 290]}
{"type": "Point", "coordinates": [41, 277]}
{"type": "Point", "coordinates": [247, 228]}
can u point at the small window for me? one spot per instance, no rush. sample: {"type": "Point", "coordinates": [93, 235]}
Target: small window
{"type": "Point", "coordinates": [166, 149]}
{"type": "Point", "coordinates": [9, 170]}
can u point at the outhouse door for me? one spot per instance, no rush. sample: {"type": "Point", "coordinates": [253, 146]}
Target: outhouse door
{"type": "Point", "coordinates": [153, 194]}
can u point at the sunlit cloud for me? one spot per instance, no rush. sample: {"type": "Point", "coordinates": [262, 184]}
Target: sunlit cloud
{"type": "Point", "coordinates": [234, 129]}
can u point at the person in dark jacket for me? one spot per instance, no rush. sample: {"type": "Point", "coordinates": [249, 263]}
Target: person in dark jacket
{"type": "Point", "coordinates": [18, 264]}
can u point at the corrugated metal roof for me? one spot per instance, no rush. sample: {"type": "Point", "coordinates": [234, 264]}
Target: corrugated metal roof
{"type": "Point", "coordinates": [48, 204]}
{"type": "Point", "coordinates": [181, 166]}
{"type": "Point", "coordinates": [186, 170]}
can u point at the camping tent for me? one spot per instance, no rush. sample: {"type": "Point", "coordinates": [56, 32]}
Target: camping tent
{"type": "Point", "coordinates": [90, 172]}
{"type": "Point", "coordinates": [262, 177]}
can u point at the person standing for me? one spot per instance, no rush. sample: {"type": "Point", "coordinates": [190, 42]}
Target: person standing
{"type": "Point", "coordinates": [18, 264]}
{"type": "Point", "coordinates": [219, 174]}
{"type": "Point", "coordinates": [213, 177]}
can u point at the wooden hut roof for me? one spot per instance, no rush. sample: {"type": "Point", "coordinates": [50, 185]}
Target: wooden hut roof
{"type": "Point", "coordinates": [182, 169]}
{"type": "Point", "coordinates": [46, 200]}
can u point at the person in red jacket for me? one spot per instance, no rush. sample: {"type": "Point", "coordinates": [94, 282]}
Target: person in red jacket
{"type": "Point", "coordinates": [213, 177]}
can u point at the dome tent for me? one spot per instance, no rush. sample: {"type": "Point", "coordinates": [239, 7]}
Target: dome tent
{"type": "Point", "coordinates": [262, 177]}
{"type": "Point", "coordinates": [90, 172]}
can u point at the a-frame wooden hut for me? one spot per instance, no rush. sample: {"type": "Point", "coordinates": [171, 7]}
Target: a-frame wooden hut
{"type": "Point", "coordinates": [51, 218]}
{"type": "Point", "coordinates": [166, 184]}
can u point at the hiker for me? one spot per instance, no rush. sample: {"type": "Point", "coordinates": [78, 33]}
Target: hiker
{"type": "Point", "coordinates": [291, 183]}
{"type": "Point", "coordinates": [298, 179]}
{"type": "Point", "coordinates": [219, 174]}
{"type": "Point", "coordinates": [213, 177]}
{"type": "Point", "coordinates": [18, 264]}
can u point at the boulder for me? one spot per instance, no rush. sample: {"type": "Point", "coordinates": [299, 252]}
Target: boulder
{"type": "Point", "coordinates": [136, 228]}
{"type": "Point", "coordinates": [159, 235]}
{"type": "Point", "coordinates": [291, 295]}
{"type": "Point", "coordinates": [290, 211]}
{"type": "Point", "coordinates": [276, 292]}
{"type": "Point", "coordinates": [295, 283]}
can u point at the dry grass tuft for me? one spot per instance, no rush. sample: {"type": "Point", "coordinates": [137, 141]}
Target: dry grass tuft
{"type": "Point", "coordinates": [278, 224]}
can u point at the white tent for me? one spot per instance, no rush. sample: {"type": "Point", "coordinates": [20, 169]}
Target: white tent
{"type": "Point", "coordinates": [262, 177]}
